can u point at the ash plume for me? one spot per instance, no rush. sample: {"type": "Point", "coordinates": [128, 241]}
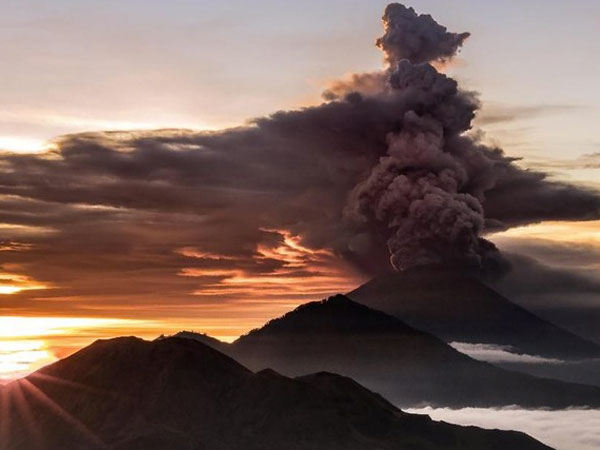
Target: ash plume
{"type": "Point", "coordinates": [426, 189]}
{"type": "Point", "coordinates": [382, 171]}
{"type": "Point", "coordinates": [417, 38]}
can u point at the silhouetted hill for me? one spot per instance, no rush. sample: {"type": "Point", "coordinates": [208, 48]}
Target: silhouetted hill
{"type": "Point", "coordinates": [407, 366]}
{"type": "Point", "coordinates": [458, 307]}
{"type": "Point", "coordinates": [179, 394]}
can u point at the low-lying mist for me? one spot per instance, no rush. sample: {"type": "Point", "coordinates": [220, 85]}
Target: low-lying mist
{"type": "Point", "coordinates": [570, 429]}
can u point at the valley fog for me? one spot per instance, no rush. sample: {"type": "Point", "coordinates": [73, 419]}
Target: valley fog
{"type": "Point", "coordinates": [571, 429]}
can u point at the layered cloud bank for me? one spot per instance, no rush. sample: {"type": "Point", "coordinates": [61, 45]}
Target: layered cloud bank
{"type": "Point", "coordinates": [381, 175]}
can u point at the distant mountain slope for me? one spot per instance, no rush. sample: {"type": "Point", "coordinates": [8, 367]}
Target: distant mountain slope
{"type": "Point", "coordinates": [179, 394]}
{"type": "Point", "coordinates": [457, 307]}
{"type": "Point", "coordinates": [407, 366]}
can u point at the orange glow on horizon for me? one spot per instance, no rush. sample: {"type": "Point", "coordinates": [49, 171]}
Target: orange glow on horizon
{"type": "Point", "coordinates": [234, 294]}
{"type": "Point", "coordinates": [26, 343]}
{"type": "Point", "coordinates": [28, 327]}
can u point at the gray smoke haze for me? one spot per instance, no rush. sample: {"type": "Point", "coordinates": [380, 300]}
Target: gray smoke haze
{"type": "Point", "coordinates": [417, 38]}
{"type": "Point", "coordinates": [381, 170]}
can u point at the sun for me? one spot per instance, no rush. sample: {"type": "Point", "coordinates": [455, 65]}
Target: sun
{"type": "Point", "coordinates": [20, 357]}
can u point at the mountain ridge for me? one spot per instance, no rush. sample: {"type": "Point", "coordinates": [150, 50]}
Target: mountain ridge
{"type": "Point", "coordinates": [407, 366]}
{"type": "Point", "coordinates": [180, 394]}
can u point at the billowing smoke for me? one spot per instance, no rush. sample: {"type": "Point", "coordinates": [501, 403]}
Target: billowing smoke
{"type": "Point", "coordinates": [417, 38]}
{"type": "Point", "coordinates": [418, 188]}
{"type": "Point", "coordinates": [428, 188]}
{"type": "Point", "coordinates": [382, 170]}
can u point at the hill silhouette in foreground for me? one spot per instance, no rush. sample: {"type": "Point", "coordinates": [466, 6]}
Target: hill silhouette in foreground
{"type": "Point", "coordinates": [179, 394]}
{"type": "Point", "coordinates": [407, 366]}
{"type": "Point", "coordinates": [457, 307]}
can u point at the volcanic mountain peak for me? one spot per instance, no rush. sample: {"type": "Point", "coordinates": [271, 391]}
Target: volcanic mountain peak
{"type": "Point", "coordinates": [457, 306]}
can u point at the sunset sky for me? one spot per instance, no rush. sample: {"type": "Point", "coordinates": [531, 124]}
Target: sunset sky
{"type": "Point", "coordinates": [84, 256]}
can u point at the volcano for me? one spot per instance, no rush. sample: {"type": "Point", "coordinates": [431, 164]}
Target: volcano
{"type": "Point", "coordinates": [459, 307]}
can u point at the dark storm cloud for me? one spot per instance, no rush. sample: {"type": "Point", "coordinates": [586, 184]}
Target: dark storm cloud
{"type": "Point", "coordinates": [382, 167]}
{"type": "Point", "coordinates": [417, 38]}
